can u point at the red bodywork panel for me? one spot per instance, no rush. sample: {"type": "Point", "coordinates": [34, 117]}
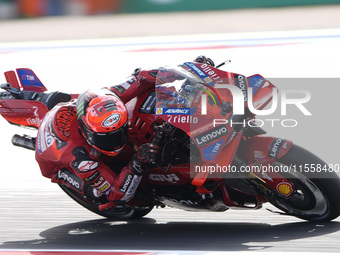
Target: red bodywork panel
{"type": "Point", "coordinates": [262, 151]}
{"type": "Point", "coordinates": [22, 112]}
{"type": "Point", "coordinates": [12, 79]}
{"type": "Point", "coordinates": [29, 81]}
{"type": "Point", "coordinates": [139, 122]}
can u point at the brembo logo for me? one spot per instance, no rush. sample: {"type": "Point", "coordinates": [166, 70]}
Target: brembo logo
{"type": "Point", "coordinates": [211, 135]}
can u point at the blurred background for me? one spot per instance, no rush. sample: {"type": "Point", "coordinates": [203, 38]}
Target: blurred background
{"type": "Point", "coordinates": [11, 9]}
{"type": "Point", "coordinates": [74, 45]}
{"type": "Point", "coordinates": [42, 20]}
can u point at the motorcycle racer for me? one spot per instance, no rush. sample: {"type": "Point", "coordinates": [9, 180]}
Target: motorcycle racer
{"type": "Point", "coordinates": [75, 137]}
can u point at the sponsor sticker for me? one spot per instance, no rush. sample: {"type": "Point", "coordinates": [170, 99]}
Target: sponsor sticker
{"type": "Point", "coordinates": [133, 187]}
{"type": "Point", "coordinates": [241, 83]}
{"type": "Point", "coordinates": [125, 85]}
{"type": "Point", "coordinates": [105, 187]}
{"type": "Point", "coordinates": [232, 136]}
{"type": "Point", "coordinates": [45, 139]}
{"type": "Point", "coordinates": [126, 183]}
{"type": "Point", "coordinates": [104, 107]}
{"type": "Point", "coordinates": [87, 165]}
{"type": "Point", "coordinates": [132, 80]}
{"type": "Point", "coordinates": [275, 148]}
{"type": "Point", "coordinates": [93, 177]}
{"type": "Point", "coordinates": [121, 89]}
{"type": "Point", "coordinates": [201, 129]}
{"type": "Point", "coordinates": [255, 82]}
{"type": "Point", "coordinates": [149, 103]}
{"type": "Point", "coordinates": [213, 76]}
{"type": "Point", "coordinates": [111, 120]}
{"type": "Point", "coordinates": [171, 178]}
{"type": "Point", "coordinates": [159, 111]}
{"type": "Point", "coordinates": [70, 178]}
{"type": "Point", "coordinates": [285, 188]}
{"type": "Point", "coordinates": [200, 73]}
{"type": "Point", "coordinates": [259, 157]}
{"type": "Point", "coordinates": [179, 111]}
{"type": "Point", "coordinates": [154, 73]}
{"type": "Point", "coordinates": [98, 182]}
{"type": "Point", "coordinates": [211, 135]}
{"type": "Point", "coordinates": [181, 119]}
{"type": "Point", "coordinates": [28, 78]}
{"type": "Point", "coordinates": [211, 151]}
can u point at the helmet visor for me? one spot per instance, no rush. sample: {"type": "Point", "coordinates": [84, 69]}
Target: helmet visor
{"type": "Point", "coordinates": [110, 142]}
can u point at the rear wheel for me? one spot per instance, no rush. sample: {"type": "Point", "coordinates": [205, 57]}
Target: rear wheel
{"type": "Point", "coordinates": [316, 187]}
{"type": "Point", "coordinates": [124, 213]}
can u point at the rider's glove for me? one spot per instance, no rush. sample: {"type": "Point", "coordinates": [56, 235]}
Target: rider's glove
{"type": "Point", "coordinates": [204, 60]}
{"type": "Point", "coordinates": [144, 159]}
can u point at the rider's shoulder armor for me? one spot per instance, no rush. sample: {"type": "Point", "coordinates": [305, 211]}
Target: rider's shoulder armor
{"type": "Point", "coordinates": [64, 121]}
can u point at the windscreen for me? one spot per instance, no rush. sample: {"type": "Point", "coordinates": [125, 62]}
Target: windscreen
{"type": "Point", "coordinates": [189, 100]}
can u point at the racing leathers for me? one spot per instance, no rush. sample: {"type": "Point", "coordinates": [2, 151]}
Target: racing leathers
{"type": "Point", "coordinates": [66, 158]}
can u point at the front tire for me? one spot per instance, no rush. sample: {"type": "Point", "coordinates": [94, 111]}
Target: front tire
{"type": "Point", "coordinates": [316, 195]}
{"type": "Point", "coordinates": [124, 213]}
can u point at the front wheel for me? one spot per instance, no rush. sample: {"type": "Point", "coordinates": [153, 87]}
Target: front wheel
{"type": "Point", "coordinates": [124, 213]}
{"type": "Point", "coordinates": [316, 189]}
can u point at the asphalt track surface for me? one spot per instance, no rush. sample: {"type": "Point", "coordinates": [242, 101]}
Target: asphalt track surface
{"type": "Point", "coordinates": [50, 221]}
{"type": "Point", "coordinates": [36, 215]}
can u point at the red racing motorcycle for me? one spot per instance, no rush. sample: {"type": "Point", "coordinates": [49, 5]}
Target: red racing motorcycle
{"type": "Point", "coordinates": [214, 157]}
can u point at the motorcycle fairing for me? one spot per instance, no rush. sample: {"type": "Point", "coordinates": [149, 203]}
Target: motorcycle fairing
{"type": "Point", "coordinates": [262, 151]}
{"type": "Point", "coordinates": [29, 80]}
{"type": "Point", "coordinates": [22, 112]}
{"type": "Point", "coordinates": [272, 149]}
{"type": "Point", "coordinates": [11, 78]}
{"type": "Point", "coordinates": [181, 88]}
{"type": "Point", "coordinates": [31, 105]}
{"type": "Point", "coordinates": [255, 82]}
{"type": "Point", "coordinates": [141, 118]}
{"type": "Point", "coordinates": [179, 91]}
{"type": "Point", "coordinates": [225, 157]}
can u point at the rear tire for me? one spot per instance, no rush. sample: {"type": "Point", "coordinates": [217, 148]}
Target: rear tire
{"type": "Point", "coordinates": [124, 213]}
{"type": "Point", "coordinates": [316, 195]}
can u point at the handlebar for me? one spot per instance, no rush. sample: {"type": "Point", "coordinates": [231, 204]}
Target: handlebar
{"type": "Point", "coordinates": [13, 91]}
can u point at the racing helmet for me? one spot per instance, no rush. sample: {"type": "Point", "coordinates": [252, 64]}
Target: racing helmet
{"type": "Point", "coordinates": [103, 121]}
